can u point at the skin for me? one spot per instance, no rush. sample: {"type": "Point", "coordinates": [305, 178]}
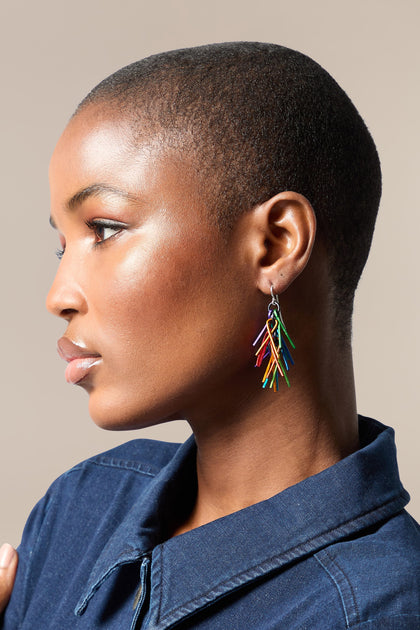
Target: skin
{"type": "Point", "coordinates": [173, 306]}
{"type": "Point", "coordinates": [8, 567]}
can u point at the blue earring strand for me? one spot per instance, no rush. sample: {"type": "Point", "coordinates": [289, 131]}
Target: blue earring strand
{"type": "Point", "coordinates": [274, 346]}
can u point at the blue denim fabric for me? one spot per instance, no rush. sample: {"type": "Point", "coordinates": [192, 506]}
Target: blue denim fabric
{"type": "Point", "coordinates": [334, 551]}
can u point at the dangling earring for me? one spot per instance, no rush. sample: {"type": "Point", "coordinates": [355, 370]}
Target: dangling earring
{"type": "Point", "coordinates": [274, 346]}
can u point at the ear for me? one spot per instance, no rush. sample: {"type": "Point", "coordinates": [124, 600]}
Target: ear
{"type": "Point", "coordinates": [283, 240]}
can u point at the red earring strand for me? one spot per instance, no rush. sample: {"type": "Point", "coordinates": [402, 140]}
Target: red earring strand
{"type": "Point", "coordinates": [273, 345]}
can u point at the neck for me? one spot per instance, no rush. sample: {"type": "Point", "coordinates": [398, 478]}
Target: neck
{"type": "Point", "coordinates": [254, 443]}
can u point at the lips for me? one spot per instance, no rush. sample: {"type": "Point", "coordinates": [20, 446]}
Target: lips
{"type": "Point", "coordinates": [79, 358]}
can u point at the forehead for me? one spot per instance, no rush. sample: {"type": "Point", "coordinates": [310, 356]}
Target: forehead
{"type": "Point", "coordinates": [98, 147]}
{"type": "Point", "coordinates": [92, 143]}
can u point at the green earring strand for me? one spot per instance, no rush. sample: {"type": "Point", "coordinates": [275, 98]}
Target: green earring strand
{"type": "Point", "coordinates": [274, 346]}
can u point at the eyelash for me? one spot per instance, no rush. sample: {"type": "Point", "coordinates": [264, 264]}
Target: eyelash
{"type": "Point", "coordinates": [95, 226]}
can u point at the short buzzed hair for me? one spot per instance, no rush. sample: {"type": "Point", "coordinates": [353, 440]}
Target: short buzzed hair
{"type": "Point", "coordinates": [260, 119]}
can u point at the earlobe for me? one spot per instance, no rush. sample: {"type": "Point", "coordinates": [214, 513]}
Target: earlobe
{"type": "Point", "coordinates": [287, 226]}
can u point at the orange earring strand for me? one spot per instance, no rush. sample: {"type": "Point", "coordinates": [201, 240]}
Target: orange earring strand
{"type": "Point", "coordinates": [273, 345]}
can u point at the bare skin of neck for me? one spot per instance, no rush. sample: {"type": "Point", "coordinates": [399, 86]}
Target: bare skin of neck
{"type": "Point", "coordinates": [253, 443]}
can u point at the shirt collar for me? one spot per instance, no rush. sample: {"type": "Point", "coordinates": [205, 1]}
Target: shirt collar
{"type": "Point", "coordinates": [355, 493]}
{"type": "Point", "coordinates": [145, 525]}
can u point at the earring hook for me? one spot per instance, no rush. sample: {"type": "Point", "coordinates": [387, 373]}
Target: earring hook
{"type": "Point", "coordinates": [274, 299]}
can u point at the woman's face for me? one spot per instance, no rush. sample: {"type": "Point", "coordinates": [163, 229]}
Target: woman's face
{"type": "Point", "coordinates": [156, 301]}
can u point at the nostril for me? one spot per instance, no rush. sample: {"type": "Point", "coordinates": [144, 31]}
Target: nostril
{"type": "Point", "coordinates": [67, 312]}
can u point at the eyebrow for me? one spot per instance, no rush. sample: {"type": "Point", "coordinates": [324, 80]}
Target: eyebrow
{"type": "Point", "coordinates": [98, 190]}
{"type": "Point", "coordinates": [95, 190]}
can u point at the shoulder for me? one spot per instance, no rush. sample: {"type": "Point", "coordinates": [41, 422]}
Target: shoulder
{"type": "Point", "coordinates": [142, 456]}
{"type": "Point", "coordinates": [86, 492]}
{"type": "Point", "coordinates": [377, 574]}
{"type": "Point", "coordinates": [124, 471]}
{"type": "Point", "coordinates": [148, 456]}
{"type": "Point", "coordinates": [83, 508]}
{"type": "Point", "coordinates": [132, 465]}
{"type": "Point", "coordinates": [141, 460]}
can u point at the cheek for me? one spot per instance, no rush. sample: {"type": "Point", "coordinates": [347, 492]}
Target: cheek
{"type": "Point", "coordinates": [151, 296]}
{"type": "Point", "coordinates": [171, 319]}
{"type": "Point", "coordinates": [131, 291]}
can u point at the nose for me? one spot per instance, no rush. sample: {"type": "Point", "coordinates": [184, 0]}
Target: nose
{"type": "Point", "coordinates": [66, 296]}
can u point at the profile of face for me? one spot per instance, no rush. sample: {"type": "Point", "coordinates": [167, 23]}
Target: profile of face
{"type": "Point", "coordinates": [159, 305]}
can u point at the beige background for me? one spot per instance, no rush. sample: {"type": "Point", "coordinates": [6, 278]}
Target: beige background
{"type": "Point", "coordinates": [52, 53]}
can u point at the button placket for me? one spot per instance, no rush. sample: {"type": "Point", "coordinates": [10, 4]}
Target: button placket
{"type": "Point", "coordinates": [141, 592]}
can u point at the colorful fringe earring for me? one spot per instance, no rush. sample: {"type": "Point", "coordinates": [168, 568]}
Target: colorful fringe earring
{"type": "Point", "coordinates": [274, 346]}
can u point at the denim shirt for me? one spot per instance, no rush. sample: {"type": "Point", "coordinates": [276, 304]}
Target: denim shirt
{"type": "Point", "coordinates": [335, 551]}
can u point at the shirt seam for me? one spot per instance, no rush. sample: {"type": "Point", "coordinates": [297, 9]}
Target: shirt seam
{"type": "Point", "coordinates": [120, 465]}
{"type": "Point", "coordinates": [339, 568]}
{"type": "Point", "coordinates": [337, 585]}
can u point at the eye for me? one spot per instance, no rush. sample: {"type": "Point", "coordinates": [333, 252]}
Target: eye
{"type": "Point", "coordinates": [104, 230]}
{"type": "Point", "coordinates": [59, 252]}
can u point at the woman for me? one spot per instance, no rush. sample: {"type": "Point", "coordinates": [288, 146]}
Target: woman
{"type": "Point", "coordinates": [202, 196]}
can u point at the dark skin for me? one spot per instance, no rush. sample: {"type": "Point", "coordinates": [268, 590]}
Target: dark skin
{"type": "Point", "coordinates": [165, 272]}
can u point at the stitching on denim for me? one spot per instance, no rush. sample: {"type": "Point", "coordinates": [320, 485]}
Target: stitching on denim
{"type": "Point", "coordinates": [121, 465]}
{"type": "Point", "coordinates": [338, 588]}
{"type": "Point", "coordinates": [353, 594]}
{"type": "Point", "coordinates": [83, 603]}
{"type": "Point", "coordinates": [257, 570]}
